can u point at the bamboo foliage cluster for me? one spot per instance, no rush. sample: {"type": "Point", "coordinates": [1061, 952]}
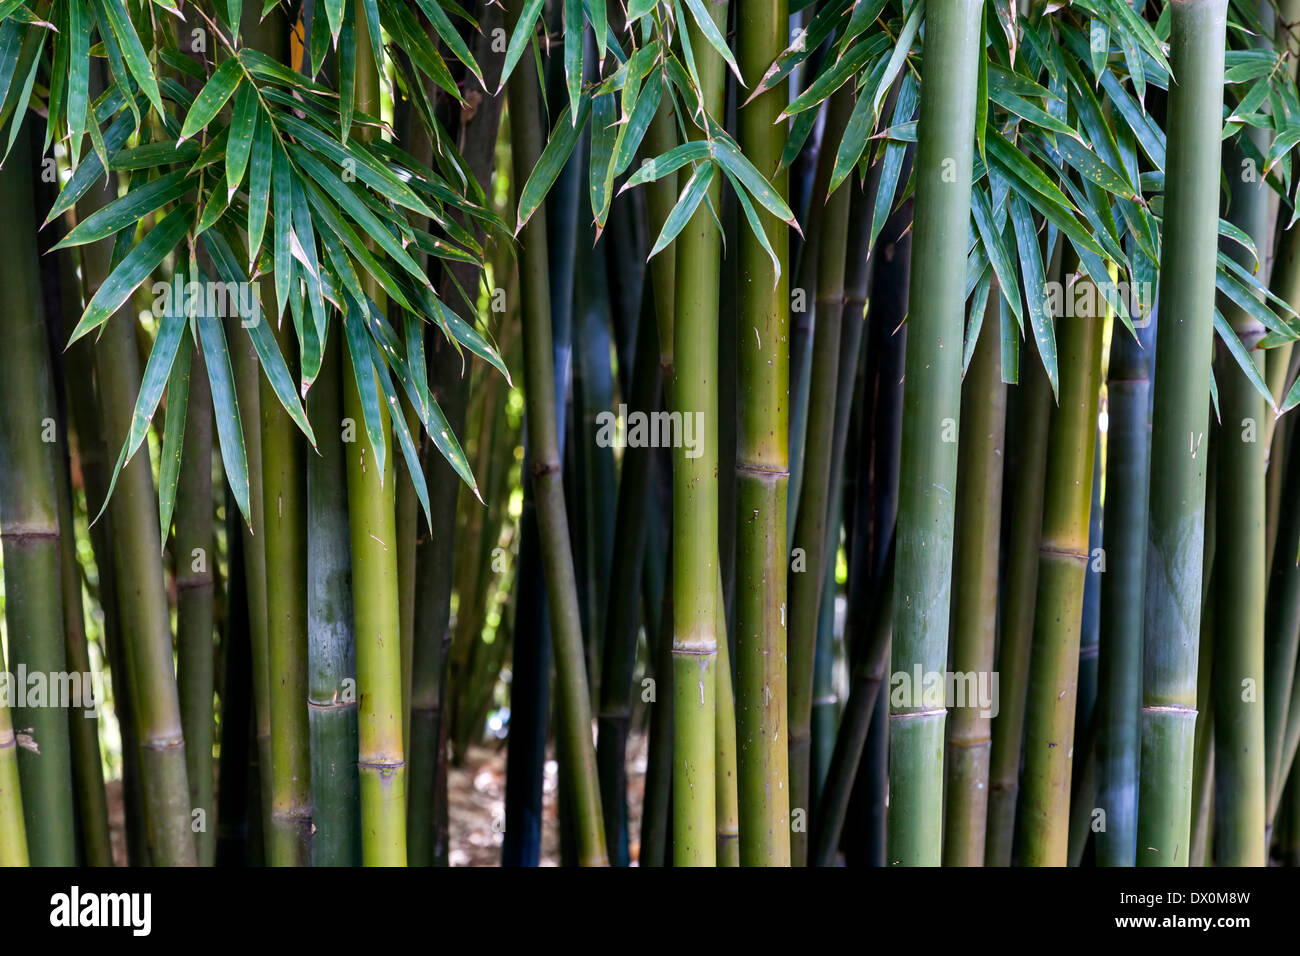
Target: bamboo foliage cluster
{"type": "Point", "coordinates": [848, 431]}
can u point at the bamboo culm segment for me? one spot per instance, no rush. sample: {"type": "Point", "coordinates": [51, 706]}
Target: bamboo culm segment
{"type": "Point", "coordinates": [1042, 826]}
{"type": "Point", "coordinates": [808, 577]}
{"type": "Point", "coordinates": [1128, 440]}
{"type": "Point", "coordinates": [284, 510]}
{"type": "Point", "coordinates": [979, 517]}
{"type": "Point", "coordinates": [931, 403]}
{"type": "Point", "coordinates": [1241, 578]}
{"type": "Point", "coordinates": [698, 251]}
{"type": "Point", "coordinates": [573, 698]}
{"type": "Point", "coordinates": [1178, 431]}
{"type": "Point", "coordinates": [331, 658]}
{"type": "Point", "coordinates": [375, 601]}
{"type": "Point", "coordinates": [195, 604]}
{"type": "Point", "coordinates": [141, 595]}
{"type": "Point", "coordinates": [762, 475]}
{"type": "Point", "coordinates": [29, 528]}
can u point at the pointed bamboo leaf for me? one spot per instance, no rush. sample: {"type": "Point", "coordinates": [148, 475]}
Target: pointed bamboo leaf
{"type": "Point", "coordinates": [696, 189]}
{"type": "Point", "coordinates": [363, 370]}
{"type": "Point", "coordinates": [169, 466]}
{"type": "Point", "coordinates": [134, 269]}
{"type": "Point", "coordinates": [225, 80]}
{"type": "Point", "coordinates": [137, 61]}
{"type": "Point", "coordinates": [127, 210]}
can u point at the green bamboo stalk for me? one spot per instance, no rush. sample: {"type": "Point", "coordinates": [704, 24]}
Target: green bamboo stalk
{"type": "Point", "coordinates": [1203, 745]}
{"type": "Point", "coordinates": [809, 540]}
{"type": "Point", "coordinates": [29, 527]}
{"type": "Point", "coordinates": [725, 786]}
{"type": "Point", "coordinates": [87, 761]}
{"type": "Point", "coordinates": [141, 596]}
{"type": "Point", "coordinates": [1282, 626]}
{"type": "Point", "coordinates": [375, 599]}
{"type": "Point", "coordinates": [1043, 820]}
{"type": "Point", "coordinates": [1018, 604]}
{"type": "Point", "coordinates": [573, 696]}
{"type": "Point", "coordinates": [695, 502]}
{"type": "Point", "coordinates": [331, 659]}
{"type": "Point", "coordinates": [979, 522]}
{"type": "Point", "coordinates": [195, 555]}
{"type": "Point", "coordinates": [92, 455]}
{"type": "Point", "coordinates": [1239, 764]}
{"type": "Point", "coordinates": [1179, 424]}
{"type": "Point", "coordinates": [1128, 390]}
{"type": "Point", "coordinates": [284, 510]}
{"type": "Point", "coordinates": [931, 405]}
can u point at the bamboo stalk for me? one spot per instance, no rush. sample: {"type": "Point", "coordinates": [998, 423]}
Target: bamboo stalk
{"type": "Point", "coordinates": [284, 509]}
{"type": "Point", "coordinates": [478, 134]}
{"type": "Point", "coordinates": [1128, 438]}
{"type": "Point", "coordinates": [235, 811]}
{"type": "Point", "coordinates": [1179, 424]}
{"type": "Point", "coordinates": [876, 511]}
{"type": "Point", "coordinates": [979, 523]}
{"type": "Point", "coordinates": [331, 657]}
{"type": "Point", "coordinates": [30, 532]}
{"type": "Point", "coordinates": [375, 600]}
{"type": "Point", "coordinates": [1282, 627]}
{"type": "Point", "coordinates": [141, 596]}
{"type": "Point", "coordinates": [1240, 580]}
{"type": "Point", "coordinates": [809, 540]}
{"type": "Point", "coordinates": [695, 503]}
{"type": "Point", "coordinates": [543, 433]}
{"type": "Point", "coordinates": [622, 622]}
{"type": "Point", "coordinates": [1018, 604]}
{"type": "Point", "coordinates": [871, 635]}
{"type": "Point", "coordinates": [931, 397]}
{"type": "Point", "coordinates": [1043, 820]}
{"type": "Point", "coordinates": [60, 281]}
{"type": "Point", "coordinates": [83, 407]}
{"type": "Point", "coordinates": [725, 786]}
{"type": "Point", "coordinates": [195, 555]}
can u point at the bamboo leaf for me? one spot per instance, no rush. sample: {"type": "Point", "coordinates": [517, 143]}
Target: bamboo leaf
{"type": "Point", "coordinates": [133, 270]}
{"type": "Point", "coordinates": [450, 36]}
{"type": "Point", "coordinates": [169, 466]}
{"type": "Point", "coordinates": [363, 370]}
{"type": "Point", "coordinates": [127, 210]}
{"type": "Point", "coordinates": [243, 126]}
{"type": "Point", "coordinates": [137, 61]}
{"type": "Point", "coordinates": [561, 144]}
{"type": "Point", "coordinates": [222, 85]}
{"type": "Point", "coordinates": [225, 407]}
{"type": "Point", "coordinates": [696, 189]}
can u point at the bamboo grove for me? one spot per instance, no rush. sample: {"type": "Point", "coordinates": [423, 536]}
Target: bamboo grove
{"type": "Point", "coordinates": [776, 432]}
